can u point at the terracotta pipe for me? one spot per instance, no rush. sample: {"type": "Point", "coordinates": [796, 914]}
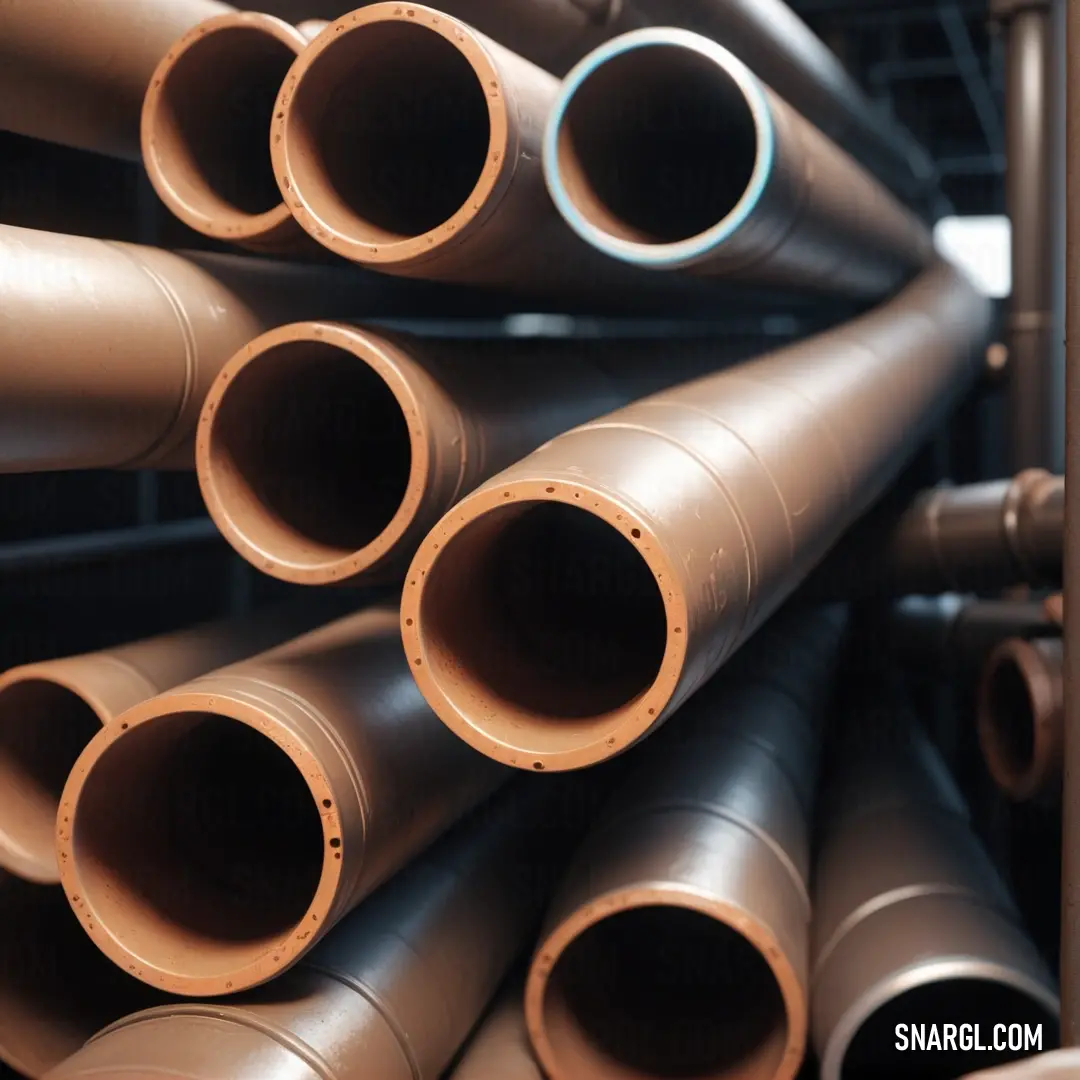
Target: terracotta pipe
{"type": "Point", "coordinates": [665, 151]}
{"type": "Point", "coordinates": [211, 836]}
{"type": "Point", "coordinates": [75, 73]}
{"type": "Point", "coordinates": [606, 576]}
{"type": "Point", "coordinates": [50, 710]}
{"type": "Point", "coordinates": [678, 943]}
{"type": "Point", "coordinates": [1021, 728]}
{"type": "Point", "coordinates": [500, 1050]}
{"type": "Point", "coordinates": [912, 924]}
{"type": "Point", "coordinates": [206, 129]}
{"type": "Point", "coordinates": [327, 451]}
{"type": "Point", "coordinates": [393, 992]}
{"type": "Point", "coordinates": [112, 347]}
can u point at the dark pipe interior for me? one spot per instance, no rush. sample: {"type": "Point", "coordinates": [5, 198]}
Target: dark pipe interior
{"type": "Point", "coordinates": [657, 145]}
{"type": "Point", "coordinates": [873, 1054]}
{"type": "Point", "coordinates": [199, 841]}
{"type": "Point", "coordinates": [1012, 716]}
{"type": "Point", "coordinates": [550, 609]}
{"type": "Point", "coordinates": [310, 450]}
{"type": "Point", "coordinates": [216, 108]}
{"type": "Point", "coordinates": [669, 993]}
{"type": "Point", "coordinates": [394, 123]}
{"type": "Point", "coordinates": [43, 730]}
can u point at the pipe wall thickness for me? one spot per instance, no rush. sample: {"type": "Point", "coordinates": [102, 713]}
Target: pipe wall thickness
{"type": "Point", "coordinates": [210, 837]}
{"type": "Point", "coordinates": [678, 945]}
{"type": "Point", "coordinates": [606, 576]}
{"type": "Point", "coordinates": [394, 991]}
{"type": "Point", "coordinates": [912, 923]}
{"type": "Point", "coordinates": [666, 152]}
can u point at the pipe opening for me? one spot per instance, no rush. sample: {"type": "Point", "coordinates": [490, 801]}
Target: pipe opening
{"type": "Point", "coordinates": [44, 727]}
{"type": "Point", "coordinates": [1012, 716]}
{"type": "Point", "coordinates": [309, 453]}
{"type": "Point", "coordinates": [211, 136]}
{"type": "Point", "coordinates": [657, 145]}
{"type": "Point", "coordinates": [198, 842]}
{"type": "Point", "coordinates": [545, 612]}
{"type": "Point", "coordinates": [391, 129]}
{"type": "Point", "coordinates": [1005, 1015]}
{"type": "Point", "coordinates": [666, 993]}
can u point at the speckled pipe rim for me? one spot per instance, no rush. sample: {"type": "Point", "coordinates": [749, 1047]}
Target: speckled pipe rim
{"type": "Point", "coordinates": [229, 518]}
{"type": "Point", "coordinates": [667, 256]}
{"type": "Point", "coordinates": [210, 214]}
{"type": "Point", "coordinates": [498, 170]}
{"type": "Point", "coordinates": [524, 740]}
{"type": "Point", "coordinates": [552, 948]}
{"type": "Point", "coordinates": [293, 942]}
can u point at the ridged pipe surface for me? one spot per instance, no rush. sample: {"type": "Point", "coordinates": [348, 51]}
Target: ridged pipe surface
{"type": "Point", "coordinates": [111, 348]}
{"type": "Point", "coordinates": [50, 710]}
{"type": "Point", "coordinates": [326, 452]}
{"type": "Point", "coordinates": [570, 604]}
{"type": "Point", "coordinates": [75, 71]}
{"type": "Point", "coordinates": [678, 945]}
{"type": "Point", "coordinates": [394, 991]}
{"type": "Point", "coordinates": [1020, 717]}
{"type": "Point", "coordinates": [210, 837]}
{"type": "Point", "coordinates": [206, 127]}
{"type": "Point", "coordinates": [912, 923]}
{"type": "Point", "coordinates": [665, 151]}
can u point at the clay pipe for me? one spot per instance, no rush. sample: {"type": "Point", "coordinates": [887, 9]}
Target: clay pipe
{"type": "Point", "coordinates": [50, 710]}
{"type": "Point", "coordinates": [326, 451]}
{"type": "Point", "coordinates": [678, 945]}
{"type": "Point", "coordinates": [393, 992]}
{"type": "Point", "coordinates": [1021, 698]}
{"type": "Point", "coordinates": [111, 348]}
{"type": "Point", "coordinates": [211, 836]}
{"type": "Point", "coordinates": [912, 924]}
{"type": "Point", "coordinates": [206, 125]}
{"type": "Point", "coordinates": [603, 578]}
{"type": "Point", "coordinates": [665, 151]}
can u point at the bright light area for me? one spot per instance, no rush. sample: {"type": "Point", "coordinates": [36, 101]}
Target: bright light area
{"type": "Point", "coordinates": [982, 246]}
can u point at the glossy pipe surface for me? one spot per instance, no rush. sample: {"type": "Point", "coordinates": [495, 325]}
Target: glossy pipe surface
{"type": "Point", "coordinates": [50, 710]}
{"type": "Point", "coordinates": [206, 128]}
{"type": "Point", "coordinates": [326, 451]}
{"type": "Point", "coordinates": [912, 923]}
{"type": "Point", "coordinates": [1020, 717]}
{"type": "Point", "coordinates": [666, 152]}
{"type": "Point", "coordinates": [678, 943]}
{"type": "Point", "coordinates": [112, 347]}
{"type": "Point", "coordinates": [564, 609]}
{"type": "Point", "coordinates": [392, 993]}
{"type": "Point", "coordinates": [75, 71]}
{"type": "Point", "coordinates": [211, 836]}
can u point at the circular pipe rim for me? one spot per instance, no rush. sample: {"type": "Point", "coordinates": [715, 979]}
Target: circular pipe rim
{"type": "Point", "coordinates": [681, 253]}
{"type": "Point", "coordinates": [376, 353]}
{"type": "Point", "coordinates": [555, 943]}
{"type": "Point", "coordinates": [287, 948]}
{"type": "Point", "coordinates": [499, 163]}
{"type": "Point", "coordinates": [916, 977]}
{"type": "Point", "coordinates": [235, 225]}
{"type": "Point", "coordinates": [628, 723]}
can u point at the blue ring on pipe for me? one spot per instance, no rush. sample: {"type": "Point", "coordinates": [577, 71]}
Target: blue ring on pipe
{"type": "Point", "coordinates": [682, 252]}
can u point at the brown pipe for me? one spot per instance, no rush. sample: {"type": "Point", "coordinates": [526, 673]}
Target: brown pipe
{"type": "Point", "coordinates": [500, 1050]}
{"type": "Point", "coordinates": [1021, 728]}
{"type": "Point", "coordinates": [75, 73]}
{"type": "Point", "coordinates": [665, 151]}
{"type": "Point", "coordinates": [50, 710]}
{"type": "Point", "coordinates": [678, 943]}
{"type": "Point", "coordinates": [211, 836]}
{"type": "Point", "coordinates": [392, 993]}
{"type": "Point", "coordinates": [111, 348]}
{"type": "Point", "coordinates": [326, 451]}
{"type": "Point", "coordinates": [912, 924]}
{"type": "Point", "coordinates": [205, 129]}
{"type": "Point", "coordinates": [603, 578]}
